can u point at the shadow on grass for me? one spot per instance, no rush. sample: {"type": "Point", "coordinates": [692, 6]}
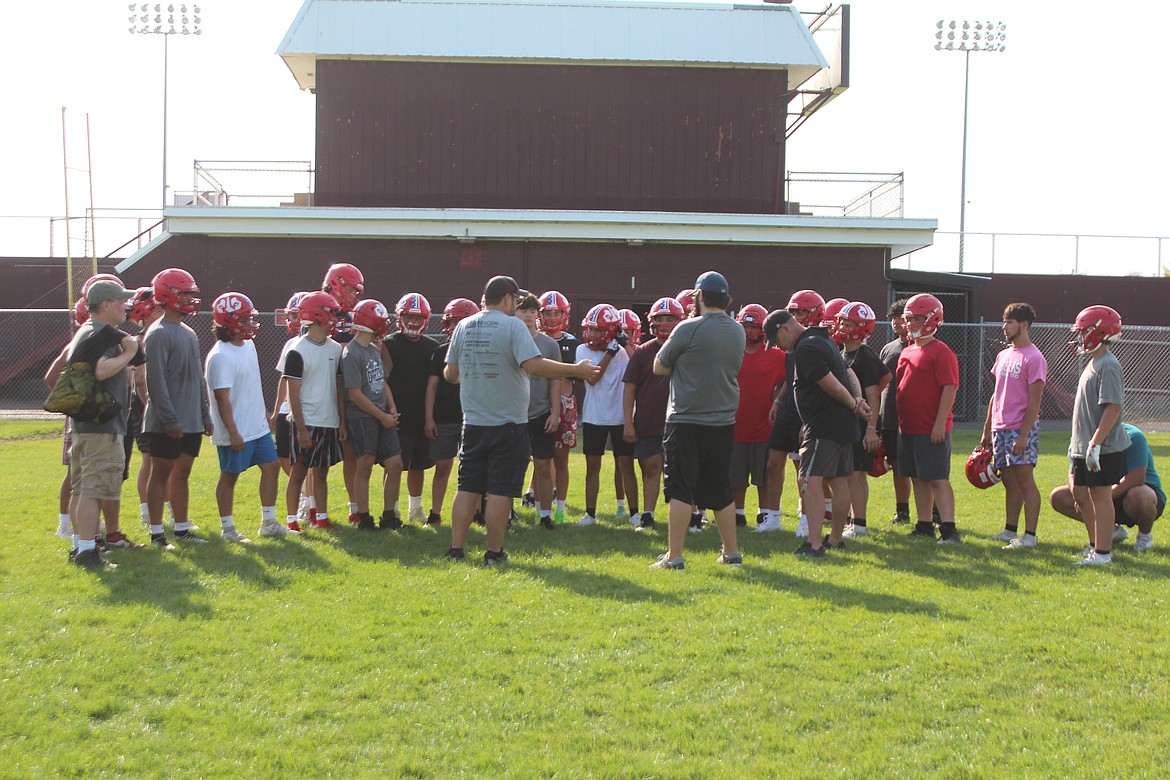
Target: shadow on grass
{"type": "Point", "coordinates": [266, 564]}
{"type": "Point", "coordinates": [594, 584]}
{"type": "Point", "coordinates": [156, 578]}
{"type": "Point", "coordinates": [842, 595]}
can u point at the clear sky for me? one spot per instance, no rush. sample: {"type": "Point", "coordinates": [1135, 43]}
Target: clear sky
{"type": "Point", "coordinates": [1066, 125]}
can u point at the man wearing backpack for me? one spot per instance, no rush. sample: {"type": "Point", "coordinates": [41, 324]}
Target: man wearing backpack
{"type": "Point", "coordinates": [97, 457]}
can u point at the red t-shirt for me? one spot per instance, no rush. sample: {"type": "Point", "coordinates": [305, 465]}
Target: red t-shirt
{"type": "Point", "coordinates": [922, 374]}
{"type": "Point", "coordinates": [758, 377]}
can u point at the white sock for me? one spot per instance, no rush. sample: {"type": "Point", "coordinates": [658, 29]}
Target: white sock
{"type": "Point", "coordinates": [322, 514]}
{"type": "Point", "coordinates": [184, 525]}
{"type": "Point", "coordinates": [227, 521]}
{"type": "Point", "coordinates": [771, 515]}
{"type": "Point", "coordinates": [621, 505]}
{"type": "Point", "coordinates": [86, 544]}
{"type": "Point", "coordinates": [64, 519]}
{"type": "Point", "coordinates": [353, 508]}
{"type": "Point", "coordinates": [560, 505]}
{"type": "Point", "coordinates": [312, 502]}
{"type": "Point", "coordinates": [416, 502]}
{"type": "Point", "coordinates": [290, 518]}
{"type": "Point", "coordinates": [155, 530]}
{"type": "Point", "coordinates": [76, 541]}
{"type": "Point", "coordinates": [144, 512]}
{"type": "Point", "coordinates": [268, 513]}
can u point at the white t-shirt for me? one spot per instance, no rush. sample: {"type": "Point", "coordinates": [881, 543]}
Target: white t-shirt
{"type": "Point", "coordinates": [285, 408]}
{"type": "Point", "coordinates": [603, 401]}
{"type": "Point", "coordinates": [238, 370]}
{"type": "Point", "coordinates": [321, 366]}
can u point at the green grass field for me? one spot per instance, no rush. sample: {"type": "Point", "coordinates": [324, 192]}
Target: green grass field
{"type": "Point", "coordinates": [352, 655]}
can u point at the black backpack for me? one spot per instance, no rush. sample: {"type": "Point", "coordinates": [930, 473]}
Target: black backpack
{"type": "Point", "coordinates": [77, 392]}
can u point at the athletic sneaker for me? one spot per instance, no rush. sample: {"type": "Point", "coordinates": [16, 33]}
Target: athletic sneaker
{"type": "Point", "coordinates": [294, 527]}
{"type": "Point", "coordinates": [416, 515]}
{"type": "Point", "coordinates": [454, 554]}
{"type": "Point", "coordinates": [646, 522]}
{"type": "Point", "coordinates": [434, 519]}
{"type": "Point", "coordinates": [273, 528]}
{"type": "Point", "coordinates": [389, 521]}
{"type": "Point", "coordinates": [730, 559]}
{"type": "Point", "coordinates": [666, 562]}
{"type": "Point", "coordinates": [768, 526]}
{"type": "Point", "coordinates": [760, 517]}
{"type": "Point", "coordinates": [528, 501]}
{"type": "Point", "coordinates": [93, 561]}
{"type": "Point", "coordinates": [119, 539]}
{"type": "Point", "coordinates": [808, 551]}
{"type": "Point", "coordinates": [587, 520]}
{"type": "Point", "coordinates": [546, 522]}
{"type": "Point", "coordinates": [636, 519]}
{"type": "Point", "coordinates": [232, 535]}
{"type": "Point", "coordinates": [187, 536]}
{"type": "Point", "coordinates": [802, 527]}
{"type": "Point", "coordinates": [1144, 541]}
{"type": "Point", "coordinates": [899, 518]}
{"type": "Point", "coordinates": [1119, 534]}
{"type": "Point", "coordinates": [559, 517]}
{"type": "Point", "coordinates": [923, 529]}
{"type": "Point", "coordinates": [160, 541]}
{"type": "Point", "coordinates": [948, 534]}
{"type": "Point", "coordinates": [696, 523]}
{"type": "Point", "coordinates": [740, 520]}
{"type": "Point", "coordinates": [1085, 553]}
{"type": "Point", "coordinates": [478, 518]}
{"type": "Point", "coordinates": [1004, 536]}
{"type": "Point", "coordinates": [1020, 542]}
{"type": "Point", "coordinates": [827, 545]}
{"type": "Point", "coordinates": [366, 522]}
{"type": "Point", "coordinates": [621, 514]}
{"type": "Point", "coordinates": [852, 531]}
{"type": "Point", "coordinates": [355, 518]}
{"type": "Point", "coordinates": [493, 558]}
{"type": "Point", "coordinates": [64, 529]}
{"type": "Point", "coordinates": [1095, 559]}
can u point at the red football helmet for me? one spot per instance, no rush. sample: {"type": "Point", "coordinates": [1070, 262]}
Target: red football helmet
{"type": "Point", "coordinates": [829, 317]}
{"type": "Point", "coordinates": [234, 311]}
{"type": "Point", "coordinates": [880, 466]}
{"type": "Point", "coordinates": [319, 308]}
{"type": "Point", "coordinates": [751, 317]}
{"type": "Point", "coordinates": [929, 309]}
{"type": "Point", "coordinates": [981, 470]}
{"type": "Point", "coordinates": [554, 312]}
{"type": "Point", "coordinates": [686, 299]}
{"type": "Point", "coordinates": [175, 290]}
{"type": "Point", "coordinates": [807, 307]}
{"type": "Point", "coordinates": [371, 316]}
{"type": "Point", "coordinates": [600, 326]}
{"type": "Point", "coordinates": [81, 311]}
{"type": "Point", "coordinates": [1095, 326]}
{"type": "Point", "coordinates": [458, 310]}
{"type": "Point", "coordinates": [631, 325]}
{"type": "Point", "coordinates": [664, 315]}
{"type": "Point", "coordinates": [345, 283]}
{"type": "Point", "coordinates": [855, 321]}
{"type": "Point", "coordinates": [141, 306]}
{"type": "Point", "coordinates": [289, 316]}
{"type": "Point", "coordinates": [414, 314]}
{"type": "Point", "coordinates": [99, 278]}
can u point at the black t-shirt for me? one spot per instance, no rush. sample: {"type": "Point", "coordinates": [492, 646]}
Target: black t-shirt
{"type": "Point", "coordinates": [408, 378]}
{"type": "Point", "coordinates": [816, 357]}
{"type": "Point", "coordinates": [888, 419]}
{"type": "Point", "coordinates": [568, 344]}
{"type": "Point", "coordinates": [868, 367]}
{"type": "Point", "coordinates": [787, 412]}
{"type": "Point", "coordinates": [343, 328]}
{"type": "Point", "coordinates": [448, 409]}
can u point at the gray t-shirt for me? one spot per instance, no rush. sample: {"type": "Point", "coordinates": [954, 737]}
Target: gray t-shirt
{"type": "Point", "coordinates": [538, 385]}
{"type": "Point", "coordinates": [488, 349]}
{"type": "Point", "coordinates": [117, 385]}
{"type": "Point", "coordinates": [705, 355]}
{"type": "Point", "coordinates": [1101, 383]}
{"type": "Point", "coordinates": [177, 392]}
{"type": "Point", "coordinates": [362, 367]}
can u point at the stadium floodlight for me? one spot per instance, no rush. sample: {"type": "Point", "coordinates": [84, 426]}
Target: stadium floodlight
{"type": "Point", "coordinates": [140, 24]}
{"type": "Point", "coordinates": [966, 36]}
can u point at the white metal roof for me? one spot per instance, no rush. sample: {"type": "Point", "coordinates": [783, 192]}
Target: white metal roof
{"type": "Point", "coordinates": [901, 235]}
{"type": "Point", "coordinates": [594, 32]}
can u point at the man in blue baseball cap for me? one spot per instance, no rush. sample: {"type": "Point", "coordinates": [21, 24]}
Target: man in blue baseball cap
{"type": "Point", "coordinates": [702, 357]}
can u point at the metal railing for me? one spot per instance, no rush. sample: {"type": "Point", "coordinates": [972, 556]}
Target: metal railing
{"type": "Point", "coordinates": [250, 183]}
{"type": "Point", "coordinates": [834, 194]}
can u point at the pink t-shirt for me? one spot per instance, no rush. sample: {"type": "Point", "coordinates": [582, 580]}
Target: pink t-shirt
{"type": "Point", "coordinates": [1015, 370]}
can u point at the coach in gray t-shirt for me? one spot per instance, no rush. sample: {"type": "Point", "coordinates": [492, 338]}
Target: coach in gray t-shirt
{"type": "Point", "coordinates": [490, 357]}
{"type": "Point", "coordinates": [702, 358]}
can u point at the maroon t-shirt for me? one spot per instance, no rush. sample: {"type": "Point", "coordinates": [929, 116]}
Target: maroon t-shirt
{"type": "Point", "coordinates": [653, 392]}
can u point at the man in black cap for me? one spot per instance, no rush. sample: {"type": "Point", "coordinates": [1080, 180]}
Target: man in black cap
{"type": "Point", "coordinates": [829, 410]}
{"type": "Point", "coordinates": [490, 357]}
{"type": "Point", "coordinates": [702, 358]}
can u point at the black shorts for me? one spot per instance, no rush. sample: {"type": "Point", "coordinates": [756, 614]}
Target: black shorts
{"type": "Point", "coordinates": [594, 438]}
{"type": "Point", "coordinates": [324, 448]}
{"type": "Point", "coordinates": [863, 460]}
{"type": "Point", "coordinates": [890, 442]}
{"type": "Point", "coordinates": [163, 446]}
{"type": "Point", "coordinates": [134, 425]}
{"type": "Point", "coordinates": [785, 434]}
{"type": "Point", "coordinates": [494, 459]}
{"type": "Point", "coordinates": [1121, 518]}
{"type": "Point", "coordinates": [539, 442]}
{"type": "Point", "coordinates": [416, 451]}
{"type": "Point", "coordinates": [921, 459]}
{"type": "Point", "coordinates": [127, 447]}
{"type": "Point", "coordinates": [696, 464]}
{"type": "Point", "coordinates": [1112, 470]}
{"type": "Point", "coordinates": [825, 458]}
{"type": "Point", "coordinates": [283, 437]}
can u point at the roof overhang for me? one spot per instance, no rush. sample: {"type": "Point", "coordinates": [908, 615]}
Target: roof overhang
{"type": "Point", "coordinates": [581, 32]}
{"type": "Point", "coordinates": [467, 225]}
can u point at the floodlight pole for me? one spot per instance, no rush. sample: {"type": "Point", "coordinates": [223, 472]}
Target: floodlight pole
{"type": "Point", "coordinates": [140, 19]}
{"type": "Point", "coordinates": [987, 37]}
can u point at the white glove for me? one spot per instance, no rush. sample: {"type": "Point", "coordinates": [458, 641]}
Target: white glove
{"type": "Point", "coordinates": [1093, 457]}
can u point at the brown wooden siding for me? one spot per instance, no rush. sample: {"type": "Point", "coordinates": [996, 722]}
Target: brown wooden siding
{"type": "Point", "coordinates": [457, 135]}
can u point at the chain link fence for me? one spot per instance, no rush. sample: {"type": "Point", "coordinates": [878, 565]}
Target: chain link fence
{"type": "Point", "coordinates": [36, 336]}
